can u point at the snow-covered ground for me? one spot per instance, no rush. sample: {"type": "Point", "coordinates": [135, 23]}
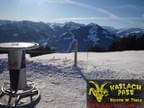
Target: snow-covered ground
{"type": "Point", "coordinates": [64, 86]}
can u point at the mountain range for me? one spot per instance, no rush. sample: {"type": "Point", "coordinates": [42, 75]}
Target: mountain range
{"type": "Point", "coordinates": [61, 36]}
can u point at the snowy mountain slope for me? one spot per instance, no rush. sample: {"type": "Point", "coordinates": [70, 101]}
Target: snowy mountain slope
{"type": "Point", "coordinates": [64, 86]}
{"type": "Point", "coordinates": [110, 29]}
{"type": "Point", "coordinates": [93, 35]}
{"type": "Point", "coordinates": [88, 36]}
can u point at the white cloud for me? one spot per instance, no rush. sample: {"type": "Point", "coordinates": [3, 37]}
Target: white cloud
{"type": "Point", "coordinates": [78, 19]}
{"type": "Point", "coordinates": [92, 7]}
{"type": "Point", "coordinates": [128, 6]}
{"type": "Point", "coordinates": [96, 18]}
{"type": "Point", "coordinates": [43, 2]}
{"type": "Point", "coordinates": [83, 5]}
{"type": "Point", "coordinates": [110, 15]}
{"type": "Point", "coordinates": [57, 1]}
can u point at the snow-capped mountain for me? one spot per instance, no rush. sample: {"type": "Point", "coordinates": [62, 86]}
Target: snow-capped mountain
{"type": "Point", "coordinates": [88, 36]}
{"type": "Point", "coordinates": [124, 32]}
{"type": "Point", "coordinates": [60, 36]}
{"type": "Point", "coordinates": [72, 25]}
{"type": "Point", "coordinates": [93, 35]}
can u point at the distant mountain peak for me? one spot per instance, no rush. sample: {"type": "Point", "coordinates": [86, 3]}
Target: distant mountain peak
{"type": "Point", "coordinates": [72, 25]}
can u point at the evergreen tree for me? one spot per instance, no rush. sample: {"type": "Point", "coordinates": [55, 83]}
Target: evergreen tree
{"type": "Point", "coordinates": [132, 42]}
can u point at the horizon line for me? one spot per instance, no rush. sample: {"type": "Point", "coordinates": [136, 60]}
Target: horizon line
{"type": "Point", "coordinates": [52, 22]}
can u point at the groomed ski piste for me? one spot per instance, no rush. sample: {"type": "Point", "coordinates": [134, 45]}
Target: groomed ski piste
{"type": "Point", "coordinates": [64, 86]}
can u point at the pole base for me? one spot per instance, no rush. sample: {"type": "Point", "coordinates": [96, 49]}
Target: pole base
{"type": "Point", "coordinates": [20, 98]}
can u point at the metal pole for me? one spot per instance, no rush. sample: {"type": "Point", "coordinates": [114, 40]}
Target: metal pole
{"type": "Point", "coordinates": [75, 43]}
{"type": "Point", "coordinates": [75, 58]}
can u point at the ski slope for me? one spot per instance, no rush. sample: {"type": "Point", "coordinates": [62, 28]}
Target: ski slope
{"type": "Point", "coordinates": [64, 86]}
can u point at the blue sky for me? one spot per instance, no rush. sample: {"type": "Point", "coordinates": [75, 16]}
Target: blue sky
{"type": "Point", "coordinates": [116, 13]}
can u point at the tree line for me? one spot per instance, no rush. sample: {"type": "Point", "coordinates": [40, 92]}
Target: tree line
{"type": "Point", "coordinates": [131, 42]}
